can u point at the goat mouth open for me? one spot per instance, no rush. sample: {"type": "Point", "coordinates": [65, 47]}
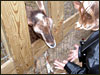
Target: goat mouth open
{"type": "Point", "coordinates": [49, 40]}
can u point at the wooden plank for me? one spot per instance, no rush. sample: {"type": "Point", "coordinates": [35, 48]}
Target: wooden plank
{"type": "Point", "coordinates": [8, 67]}
{"type": "Point", "coordinates": [39, 46]}
{"type": "Point", "coordinates": [57, 16]}
{"type": "Point", "coordinates": [56, 11]}
{"type": "Point", "coordinates": [70, 23]}
{"type": "Point", "coordinates": [14, 21]}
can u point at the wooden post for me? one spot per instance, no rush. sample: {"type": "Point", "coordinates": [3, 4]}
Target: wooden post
{"type": "Point", "coordinates": [56, 12]}
{"type": "Point", "coordinates": [14, 21]}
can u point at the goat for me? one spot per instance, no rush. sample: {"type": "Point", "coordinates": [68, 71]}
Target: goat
{"type": "Point", "coordinates": [88, 14]}
{"type": "Point", "coordinates": [41, 23]}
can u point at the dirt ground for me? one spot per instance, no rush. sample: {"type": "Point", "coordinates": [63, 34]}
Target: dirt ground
{"type": "Point", "coordinates": [62, 50]}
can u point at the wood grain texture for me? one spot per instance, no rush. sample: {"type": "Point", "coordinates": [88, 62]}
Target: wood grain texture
{"type": "Point", "coordinates": [3, 38]}
{"type": "Point", "coordinates": [14, 20]}
{"type": "Point", "coordinates": [8, 67]}
{"type": "Point", "coordinates": [70, 23]}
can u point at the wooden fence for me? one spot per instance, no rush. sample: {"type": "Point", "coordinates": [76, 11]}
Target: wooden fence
{"type": "Point", "coordinates": [15, 32]}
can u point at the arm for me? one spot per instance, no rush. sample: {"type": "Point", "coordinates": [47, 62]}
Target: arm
{"type": "Point", "coordinates": [79, 54]}
{"type": "Point", "coordinates": [72, 68]}
{"type": "Point", "coordinates": [68, 64]}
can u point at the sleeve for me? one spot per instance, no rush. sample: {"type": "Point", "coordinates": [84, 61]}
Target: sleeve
{"type": "Point", "coordinates": [80, 54]}
{"type": "Point", "coordinates": [72, 68]}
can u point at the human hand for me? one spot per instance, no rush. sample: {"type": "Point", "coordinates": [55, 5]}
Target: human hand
{"type": "Point", "coordinates": [73, 54]}
{"type": "Point", "coordinates": [60, 65]}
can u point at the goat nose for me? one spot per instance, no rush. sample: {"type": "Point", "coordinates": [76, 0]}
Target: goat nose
{"type": "Point", "coordinates": [53, 45]}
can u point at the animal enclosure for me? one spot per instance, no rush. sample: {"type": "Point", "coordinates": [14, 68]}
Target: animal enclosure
{"type": "Point", "coordinates": [23, 57]}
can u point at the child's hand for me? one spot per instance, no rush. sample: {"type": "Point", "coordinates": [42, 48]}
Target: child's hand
{"type": "Point", "coordinates": [60, 65]}
{"type": "Point", "coordinates": [73, 54]}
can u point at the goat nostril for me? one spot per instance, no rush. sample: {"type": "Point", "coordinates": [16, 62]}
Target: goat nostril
{"type": "Point", "coordinates": [52, 45]}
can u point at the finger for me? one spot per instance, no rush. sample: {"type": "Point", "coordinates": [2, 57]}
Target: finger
{"type": "Point", "coordinates": [65, 61]}
{"type": "Point", "coordinates": [72, 60]}
{"type": "Point", "coordinates": [62, 64]}
{"type": "Point", "coordinates": [56, 64]}
{"type": "Point", "coordinates": [70, 55]}
{"type": "Point", "coordinates": [71, 51]}
{"type": "Point", "coordinates": [59, 68]}
{"type": "Point", "coordinates": [76, 46]}
{"type": "Point", "coordinates": [56, 61]}
{"type": "Point", "coordinates": [69, 58]}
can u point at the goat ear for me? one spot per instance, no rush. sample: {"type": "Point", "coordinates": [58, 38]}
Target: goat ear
{"type": "Point", "coordinates": [77, 4]}
{"type": "Point", "coordinates": [41, 6]}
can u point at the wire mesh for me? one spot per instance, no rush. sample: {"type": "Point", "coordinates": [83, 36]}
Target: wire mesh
{"type": "Point", "coordinates": [4, 56]}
